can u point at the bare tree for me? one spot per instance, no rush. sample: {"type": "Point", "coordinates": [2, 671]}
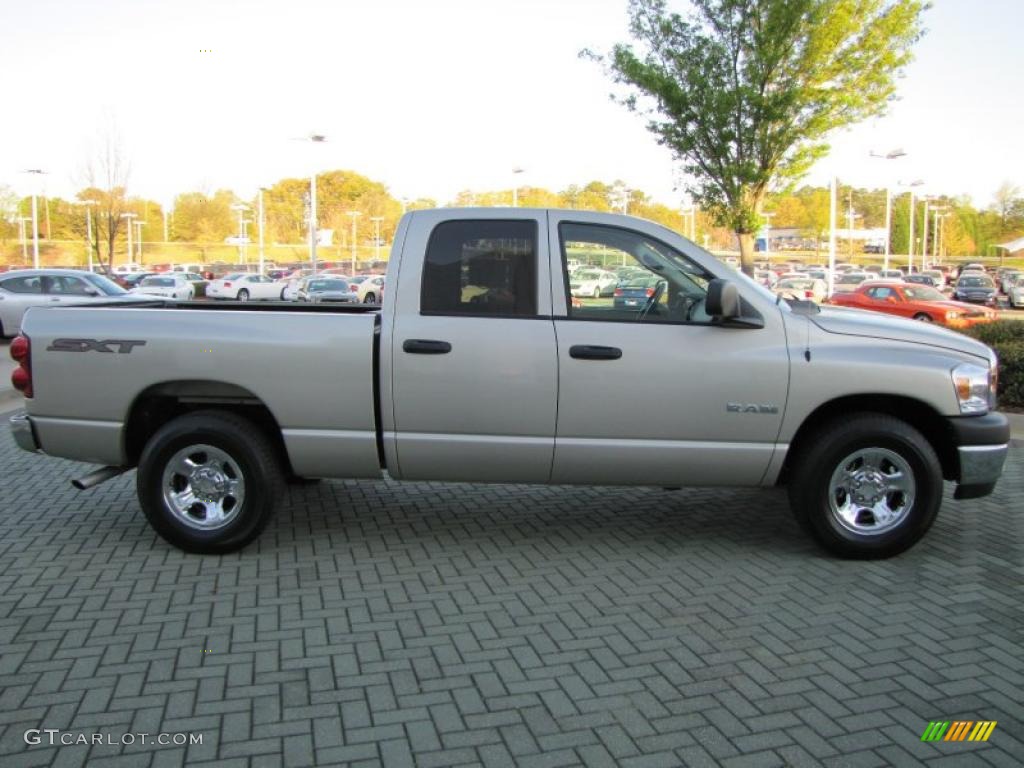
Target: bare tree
{"type": "Point", "coordinates": [105, 175]}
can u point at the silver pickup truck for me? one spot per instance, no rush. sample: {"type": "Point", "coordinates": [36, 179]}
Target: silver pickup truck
{"type": "Point", "coordinates": [668, 369]}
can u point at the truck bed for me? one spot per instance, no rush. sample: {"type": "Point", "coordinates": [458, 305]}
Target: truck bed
{"type": "Point", "coordinates": [311, 367]}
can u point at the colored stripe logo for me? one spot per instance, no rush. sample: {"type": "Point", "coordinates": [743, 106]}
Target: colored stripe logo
{"type": "Point", "coordinates": [959, 730]}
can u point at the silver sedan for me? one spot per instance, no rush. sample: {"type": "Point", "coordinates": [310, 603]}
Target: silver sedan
{"type": "Point", "coordinates": [25, 288]}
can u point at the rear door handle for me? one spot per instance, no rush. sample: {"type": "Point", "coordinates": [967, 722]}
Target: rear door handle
{"type": "Point", "coordinates": [593, 352]}
{"type": "Point", "coordinates": [426, 347]}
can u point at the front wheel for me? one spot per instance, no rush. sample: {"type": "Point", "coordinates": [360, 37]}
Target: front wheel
{"type": "Point", "coordinates": [369, 299]}
{"type": "Point", "coordinates": [924, 318]}
{"type": "Point", "coordinates": [867, 486]}
{"type": "Point", "coordinates": [208, 482]}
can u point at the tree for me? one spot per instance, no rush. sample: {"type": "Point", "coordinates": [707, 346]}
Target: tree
{"type": "Point", "coordinates": [106, 175]}
{"type": "Point", "coordinates": [744, 93]}
{"type": "Point", "coordinates": [203, 218]}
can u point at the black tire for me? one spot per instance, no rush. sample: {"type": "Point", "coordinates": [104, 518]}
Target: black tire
{"type": "Point", "coordinates": [370, 298]}
{"type": "Point", "coordinates": [243, 295]}
{"type": "Point", "coordinates": [824, 454]}
{"type": "Point", "coordinates": [923, 317]}
{"type": "Point", "coordinates": [251, 452]}
{"type": "Point", "coordinates": [282, 295]}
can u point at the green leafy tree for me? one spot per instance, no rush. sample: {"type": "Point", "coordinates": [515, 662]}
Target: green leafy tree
{"type": "Point", "coordinates": [745, 92]}
{"type": "Point", "coordinates": [203, 218]}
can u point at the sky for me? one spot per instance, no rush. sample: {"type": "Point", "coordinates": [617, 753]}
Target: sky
{"type": "Point", "coordinates": [435, 97]}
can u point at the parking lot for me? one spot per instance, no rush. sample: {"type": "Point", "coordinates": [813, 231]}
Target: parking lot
{"type": "Point", "coordinates": [376, 623]}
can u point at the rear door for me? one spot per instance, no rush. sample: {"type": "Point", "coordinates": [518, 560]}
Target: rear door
{"type": "Point", "coordinates": [473, 372]}
{"type": "Point", "coordinates": [658, 394]}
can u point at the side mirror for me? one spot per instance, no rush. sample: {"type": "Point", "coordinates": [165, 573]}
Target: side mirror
{"type": "Point", "coordinates": [723, 300]}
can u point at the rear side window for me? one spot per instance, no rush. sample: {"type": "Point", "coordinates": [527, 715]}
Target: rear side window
{"type": "Point", "coordinates": [22, 284]}
{"type": "Point", "coordinates": [481, 268]}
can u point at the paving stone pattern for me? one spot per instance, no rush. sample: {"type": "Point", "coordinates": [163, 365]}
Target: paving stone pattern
{"type": "Point", "coordinates": [377, 623]}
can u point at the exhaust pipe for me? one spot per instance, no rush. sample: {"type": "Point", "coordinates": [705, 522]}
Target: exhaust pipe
{"type": "Point", "coordinates": [96, 477]}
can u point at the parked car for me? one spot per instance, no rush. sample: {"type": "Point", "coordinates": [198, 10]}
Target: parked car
{"type": "Point", "coordinates": [848, 281]}
{"type": "Point", "coordinates": [370, 289]}
{"type": "Point", "coordinates": [766, 277]}
{"type": "Point", "coordinates": [892, 274]}
{"type": "Point", "coordinates": [1007, 279]}
{"type": "Point", "coordinates": [916, 302]}
{"type": "Point", "coordinates": [223, 287]}
{"type": "Point", "coordinates": [130, 280]}
{"type": "Point", "coordinates": [803, 288]}
{"type": "Point", "coordinates": [289, 285]}
{"type": "Point", "coordinates": [594, 283]}
{"type": "Point", "coordinates": [976, 288]}
{"type": "Point", "coordinates": [326, 288]}
{"type": "Point", "coordinates": [861, 415]}
{"type": "Point", "coordinates": [241, 286]}
{"type": "Point", "coordinates": [172, 285]}
{"type": "Point", "coordinates": [938, 277]}
{"type": "Point", "coordinates": [1016, 294]}
{"type": "Point", "coordinates": [24, 288]}
{"type": "Point", "coordinates": [636, 292]}
{"type": "Point", "coordinates": [922, 279]}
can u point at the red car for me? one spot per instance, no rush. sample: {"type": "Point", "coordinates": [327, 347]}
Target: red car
{"type": "Point", "coordinates": [917, 302]}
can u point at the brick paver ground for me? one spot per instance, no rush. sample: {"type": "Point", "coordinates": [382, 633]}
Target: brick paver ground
{"type": "Point", "coordinates": [439, 625]}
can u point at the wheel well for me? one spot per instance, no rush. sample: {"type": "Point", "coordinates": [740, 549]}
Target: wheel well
{"type": "Point", "coordinates": [924, 418]}
{"type": "Point", "coordinates": [163, 402]}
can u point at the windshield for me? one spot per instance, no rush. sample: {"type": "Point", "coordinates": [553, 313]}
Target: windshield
{"type": "Point", "coordinates": [804, 285]}
{"type": "Point", "coordinates": [976, 282]}
{"type": "Point", "coordinates": [161, 282]}
{"type": "Point", "coordinates": [585, 275]}
{"type": "Point", "coordinates": [851, 279]}
{"type": "Point", "coordinates": [922, 293]}
{"type": "Point", "coordinates": [106, 286]}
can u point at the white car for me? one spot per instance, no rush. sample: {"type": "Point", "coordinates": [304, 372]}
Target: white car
{"type": "Point", "coordinates": [1016, 293]}
{"type": "Point", "coordinates": [803, 288]}
{"type": "Point", "coordinates": [371, 289]}
{"type": "Point", "coordinates": [594, 283]}
{"type": "Point", "coordinates": [171, 285]}
{"type": "Point", "coordinates": [242, 286]}
{"type": "Point", "coordinates": [891, 274]}
{"type": "Point", "coordinates": [288, 286]}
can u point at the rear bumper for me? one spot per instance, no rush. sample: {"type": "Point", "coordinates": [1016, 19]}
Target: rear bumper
{"type": "Point", "coordinates": [24, 434]}
{"type": "Point", "coordinates": [982, 443]}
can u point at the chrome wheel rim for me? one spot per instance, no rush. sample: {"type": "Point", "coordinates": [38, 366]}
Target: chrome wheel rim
{"type": "Point", "coordinates": [871, 491]}
{"type": "Point", "coordinates": [203, 487]}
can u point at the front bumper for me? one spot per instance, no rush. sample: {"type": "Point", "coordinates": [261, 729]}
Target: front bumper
{"type": "Point", "coordinates": [24, 434]}
{"type": "Point", "coordinates": [982, 443]}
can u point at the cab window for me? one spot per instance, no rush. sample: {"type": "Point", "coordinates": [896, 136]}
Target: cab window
{"type": "Point", "coordinates": [628, 276]}
{"type": "Point", "coordinates": [481, 267]}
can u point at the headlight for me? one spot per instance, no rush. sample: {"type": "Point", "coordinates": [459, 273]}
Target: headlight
{"type": "Point", "coordinates": [975, 387]}
{"type": "Point", "coordinates": [952, 315]}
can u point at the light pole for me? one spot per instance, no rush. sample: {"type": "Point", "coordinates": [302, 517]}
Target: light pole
{"type": "Point", "coordinates": [924, 234]}
{"type": "Point", "coordinates": [88, 228]}
{"type": "Point", "coordinates": [768, 235]}
{"type": "Point", "coordinates": [833, 183]}
{"type": "Point", "coordinates": [376, 235]}
{"type": "Point", "coordinates": [262, 224]}
{"type": "Point", "coordinates": [893, 155]}
{"type": "Point", "coordinates": [355, 215]}
{"type": "Point", "coordinates": [515, 186]}
{"type": "Point", "coordinates": [138, 238]}
{"type": "Point", "coordinates": [690, 222]}
{"type": "Point", "coordinates": [35, 217]}
{"type": "Point", "coordinates": [22, 222]}
{"type": "Point", "coordinates": [129, 216]}
{"type": "Point", "coordinates": [241, 208]}
{"type": "Point", "coordinates": [315, 138]}
{"type": "Point", "coordinates": [910, 240]}
{"type": "Point", "coordinates": [938, 212]}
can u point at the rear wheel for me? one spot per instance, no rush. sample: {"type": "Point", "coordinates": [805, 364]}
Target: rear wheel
{"type": "Point", "coordinates": [369, 299]}
{"type": "Point", "coordinates": [243, 295]}
{"type": "Point", "coordinates": [597, 293]}
{"type": "Point", "coordinates": [208, 482]}
{"type": "Point", "coordinates": [867, 486]}
{"type": "Point", "coordinates": [924, 318]}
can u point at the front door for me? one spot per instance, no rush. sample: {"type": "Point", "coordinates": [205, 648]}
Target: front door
{"type": "Point", "coordinates": [651, 391]}
{"type": "Point", "coordinates": [474, 370]}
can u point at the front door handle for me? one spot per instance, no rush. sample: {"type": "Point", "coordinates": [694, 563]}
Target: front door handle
{"type": "Point", "coordinates": [426, 347]}
{"type": "Point", "coordinates": [593, 352]}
